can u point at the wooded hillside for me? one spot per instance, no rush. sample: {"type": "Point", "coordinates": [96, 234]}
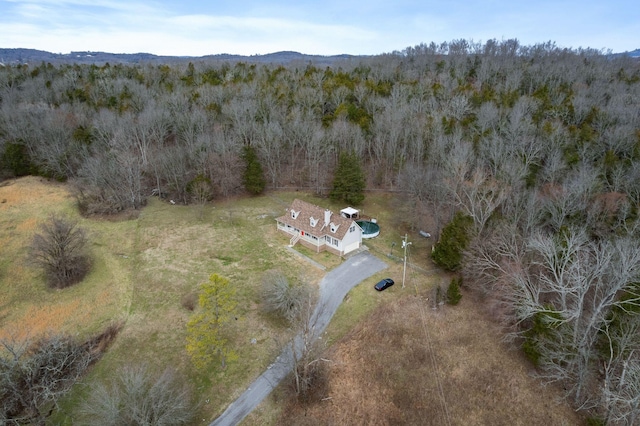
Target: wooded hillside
{"type": "Point", "coordinates": [538, 146]}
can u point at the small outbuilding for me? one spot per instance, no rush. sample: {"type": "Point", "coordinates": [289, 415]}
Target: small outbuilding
{"type": "Point", "coordinates": [350, 213]}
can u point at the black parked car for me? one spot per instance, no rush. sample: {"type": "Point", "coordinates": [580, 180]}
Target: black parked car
{"type": "Point", "coordinates": [384, 284]}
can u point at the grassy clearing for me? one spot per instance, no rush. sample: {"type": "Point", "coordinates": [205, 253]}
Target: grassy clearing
{"type": "Point", "coordinates": [176, 249]}
{"type": "Point", "coordinates": [142, 270]}
{"type": "Point", "coordinates": [144, 267]}
{"type": "Point", "coordinates": [27, 307]}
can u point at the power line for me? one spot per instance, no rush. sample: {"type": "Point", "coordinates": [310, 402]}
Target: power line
{"type": "Point", "coordinates": [425, 328]}
{"type": "Point", "coordinates": [434, 364]}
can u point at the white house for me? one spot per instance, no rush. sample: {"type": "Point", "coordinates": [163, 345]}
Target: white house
{"type": "Point", "coordinates": [319, 229]}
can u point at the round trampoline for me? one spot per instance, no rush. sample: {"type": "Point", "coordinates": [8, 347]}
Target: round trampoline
{"type": "Point", "coordinates": [369, 229]}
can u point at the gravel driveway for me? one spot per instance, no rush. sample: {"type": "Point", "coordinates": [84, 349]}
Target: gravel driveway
{"type": "Point", "coordinates": [333, 288]}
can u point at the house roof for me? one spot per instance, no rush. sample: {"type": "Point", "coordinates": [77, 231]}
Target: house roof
{"type": "Point", "coordinates": [305, 211]}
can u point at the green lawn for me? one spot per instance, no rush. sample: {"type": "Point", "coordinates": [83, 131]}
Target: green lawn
{"type": "Point", "coordinates": [144, 266]}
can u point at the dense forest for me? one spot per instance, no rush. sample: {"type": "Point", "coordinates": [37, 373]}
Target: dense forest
{"type": "Point", "coordinates": [524, 161]}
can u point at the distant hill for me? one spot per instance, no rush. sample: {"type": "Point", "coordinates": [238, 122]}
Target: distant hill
{"type": "Point", "coordinates": [22, 56]}
{"type": "Point", "coordinates": [33, 56]}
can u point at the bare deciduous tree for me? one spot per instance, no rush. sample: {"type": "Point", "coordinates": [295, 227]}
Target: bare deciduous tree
{"type": "Point", "coordinates": [35, 374]}
{"type": "Point", "coordinates": [428, 196]}
{"type": "Point", "coordinates": [225, 163]}
{"type": "Point", "coordinates": [621, 390]}
{"type": "Point", "coordinates": [306, 349]}
{"type": "Point", "coordinates": [563, 203]}
{"type": "Point", "coordinates": [282, 296]}
{"type": "Point", "coordinates": [59, 248]}
{"type": "Point", "coordinates": [562, 290]}
{"type": "Point", "coordinates": [582, 281]}
{"type": "Point", "coordinates": [317, 154]}
{"type": "Point", "coordinates": [479, 197]}
{"type": "Point", "coordinates": [135, 396]}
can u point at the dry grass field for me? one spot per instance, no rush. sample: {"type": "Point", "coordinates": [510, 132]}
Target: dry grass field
{"type": "Point", "coordinates": [408, 364]}
{"type": "Point", "coordinates": [27, 307]}
{"type": "Point", "coordinates": [389, 350]}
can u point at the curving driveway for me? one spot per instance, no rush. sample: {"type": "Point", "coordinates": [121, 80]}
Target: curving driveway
{"type": "Point", "coordinates": [333, 288]}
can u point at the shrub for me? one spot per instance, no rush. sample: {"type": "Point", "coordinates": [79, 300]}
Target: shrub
{"type": "Point", "coordinates": [35, 374]}
{"type": "Point", "coordinates": [282, 297]}
{"type": "Point", "coordinates": [453, 291]}
{"type": "Point", "coordinates": [542, 329]}
{"type": "Point", "coordinates": [59, 248]}
{"type": "Point", "coordinates": [200, 189]}
{"type": "Point", "coordinates": [190, 301]}
{"type": "Point", "coordinates": [447, 253]}
{"type": "Point", "coordinates": [16, 159]}
{"type": "Point", "coordinates": [91, 201]}
{"type": "Point", "coordinates": [596, 421]}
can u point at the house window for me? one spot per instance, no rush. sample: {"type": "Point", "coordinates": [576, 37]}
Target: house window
{"type": "Point", "coordinates": [352, 229]}
{"type": "Point", "coordinates": [332, 241]}
{"type": "Point", "coordinates": [313, 222]}
{"type": "Point", "coordinates": [294, 214]}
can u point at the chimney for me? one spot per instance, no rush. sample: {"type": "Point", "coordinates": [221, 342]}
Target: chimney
{"type": "Point", "coordinates": [327, 217]}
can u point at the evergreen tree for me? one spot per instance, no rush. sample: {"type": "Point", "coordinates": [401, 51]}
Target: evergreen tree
{"type": "Point", "coordinates": [453, 291]}
{"type": "Point", "coordinates": [447, 253]}
{"type": "Point", "coordinates": [348, 182]}
{"type": "Point", "coordinates": [253, 177]}
{"type": "Point", "coordinates": [16, 159]}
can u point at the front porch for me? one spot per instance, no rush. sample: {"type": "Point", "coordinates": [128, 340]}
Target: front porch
{"type": "Point", "coordinates": [317, 244]}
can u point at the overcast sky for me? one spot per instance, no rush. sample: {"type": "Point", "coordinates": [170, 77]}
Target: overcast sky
{"type": "Point", "coordinates": [201, 27]}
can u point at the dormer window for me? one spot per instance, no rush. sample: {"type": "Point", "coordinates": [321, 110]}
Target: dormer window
{"type": "Point", "coordinates": [333, 227]}
{"type": "Point", "coordinates": [313, 222]}
{"type": "Point", "coordinates": [294, 214]}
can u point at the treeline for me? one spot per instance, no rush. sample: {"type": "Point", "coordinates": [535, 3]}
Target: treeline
{"type": "Point", "coordinates": [532, 151]}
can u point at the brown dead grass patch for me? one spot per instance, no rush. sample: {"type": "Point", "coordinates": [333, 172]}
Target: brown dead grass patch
{"type": "Point", "coordinates": [56, 315]}
{"type": "Point", "coordinates": [31, 190]}
{"type": "Point", "coordinates": [23, 203]}
{"type": "Point", "coordinates": [410, 365]}
{"type": "Point", "coordinates": [27, 307]}
{"type": "Point", "coordinates": [40, 320]}
{"type": "Point", "coordinates": [27, 225]}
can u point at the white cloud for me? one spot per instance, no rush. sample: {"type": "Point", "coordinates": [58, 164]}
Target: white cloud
{"type": "Point", "coordinates": [329, 28]}
{"type": "Point", "coordinates": [51, 25]}
{"type": "Point", "coordinates": [75, 5]}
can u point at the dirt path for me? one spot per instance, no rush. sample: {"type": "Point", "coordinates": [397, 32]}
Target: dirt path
{"type": "Point", "coordinates": [333, 288]}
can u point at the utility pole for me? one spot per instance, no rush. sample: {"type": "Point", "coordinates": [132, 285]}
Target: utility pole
{"type": "Point", "coordinates": [405, 244]}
